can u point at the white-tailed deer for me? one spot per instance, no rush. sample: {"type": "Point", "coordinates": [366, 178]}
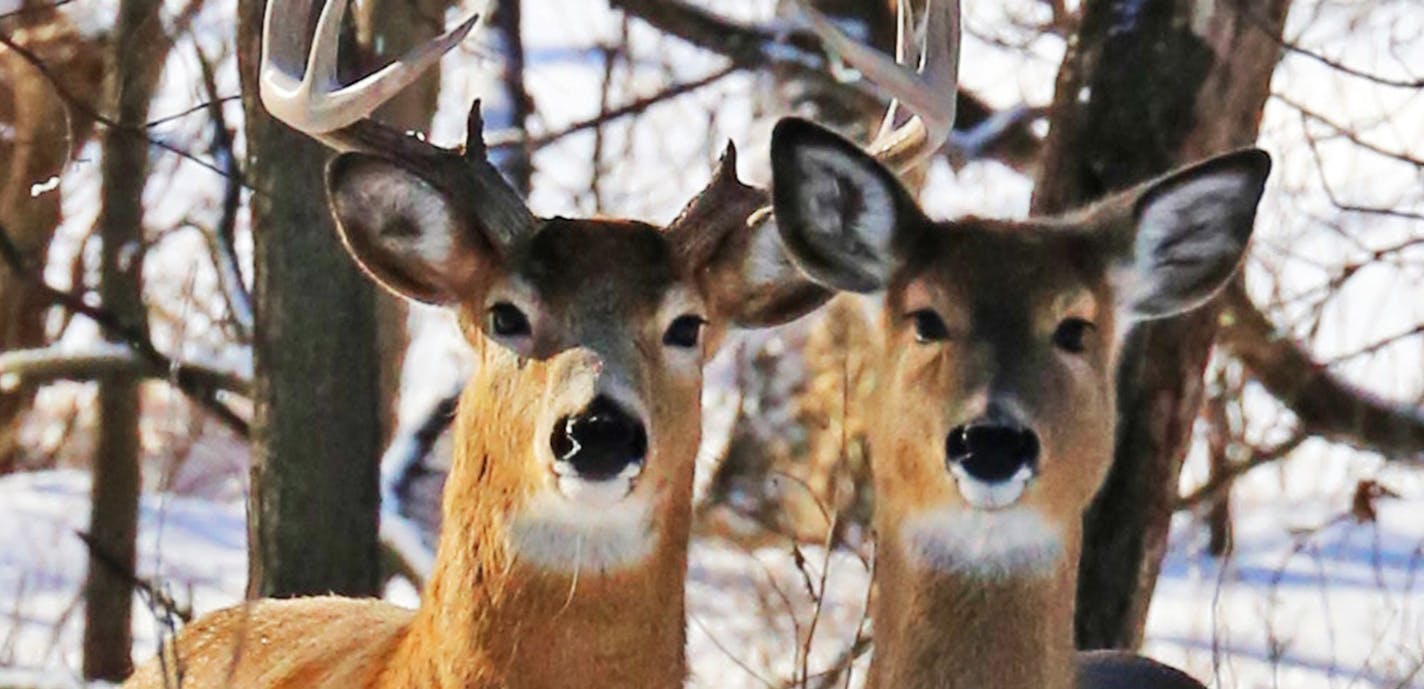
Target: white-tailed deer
{"type": "Point", "coordinates": [995, 394]}
{"type": "Point", "coordinates": [562, 556]}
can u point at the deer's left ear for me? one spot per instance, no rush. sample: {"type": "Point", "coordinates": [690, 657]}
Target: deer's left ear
{"type": "Point", "coordinates": [843, 217]}
{"type": "Point", "coordinates": [1188, 232]}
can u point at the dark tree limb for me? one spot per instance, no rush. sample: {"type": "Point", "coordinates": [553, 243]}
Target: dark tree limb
{"type": "Point", "coordinates": [1140, 92]}
{"type": "Point", "coordinates": [1325, 404]}
{"type": "Point", "coordinates": [999, 135]}
{"type": "Point", "coordinates": [34, 367]}
{"type": "Point", "coordinates": [180, 375]}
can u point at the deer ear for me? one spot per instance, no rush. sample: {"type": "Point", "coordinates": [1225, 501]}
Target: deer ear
{"type": "Point", "coordinates": [725, 237]}
{"type": "Point", "coordinates": [843, 218]}
{"type": "Point", "coordinates": [1189, 233]}
{"type": "Point", "coordinates": [403, 230]}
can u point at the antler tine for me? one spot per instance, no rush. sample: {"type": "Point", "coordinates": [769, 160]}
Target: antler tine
{"type": "Point", "coordinates": [300, 87]}
{"type": "Point", "coordinates": [928, 91]}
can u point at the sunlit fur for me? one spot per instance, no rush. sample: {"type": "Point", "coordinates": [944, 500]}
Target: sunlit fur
{"type": "Point", "coordinates": [977, 582]}
{"type": "Point", "coordinates": [598, 296]}
{"type": "Point", "coordinates": [1002, 289]}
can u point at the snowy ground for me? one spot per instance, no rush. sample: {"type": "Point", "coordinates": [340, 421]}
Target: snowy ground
{"type": "Point", "coordinates": [1311, 599]}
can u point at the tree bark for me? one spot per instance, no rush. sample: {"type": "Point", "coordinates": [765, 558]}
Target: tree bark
{"type": "Point", "coordinates": [44, 134]}
{"type": "Point", "coordinates": [318, 413]}
{"type": "Point", "coordinates": [139, 48]}
{"type": "Point", "coordinates": [1147, 85]}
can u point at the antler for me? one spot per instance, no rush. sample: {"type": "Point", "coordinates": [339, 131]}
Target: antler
{"type": "Point", "coordinates": [928, 91]}
{"type": "Point", "coordinates": [298, 85]}
{"type": "Point", "coordinates": [312, 100]}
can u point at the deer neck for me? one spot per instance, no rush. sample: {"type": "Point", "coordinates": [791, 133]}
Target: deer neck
{"type": "Point", "coordinates": [488, 619]}
{"type": "Point", "coordinates": [952, 629]}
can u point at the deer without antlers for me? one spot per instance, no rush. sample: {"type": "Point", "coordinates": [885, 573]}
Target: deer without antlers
{"type": "Point", "coordinates": [562, 557]}
{"type": "Point", "coordinates": [996, 395]}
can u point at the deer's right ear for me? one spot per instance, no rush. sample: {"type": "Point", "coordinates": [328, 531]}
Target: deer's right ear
{"type": "Point", "coordinates": [843, 217]}
{"type": "Point", "coordinates": [402, 230]}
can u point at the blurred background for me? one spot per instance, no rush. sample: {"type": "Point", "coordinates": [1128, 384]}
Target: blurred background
{"type": "Point", "coordinates": [184, 342]}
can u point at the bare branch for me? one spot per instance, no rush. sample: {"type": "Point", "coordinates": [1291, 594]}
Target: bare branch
{"type": "Point", "coordinates": [138, 341]}
{"type": "Point", "coordinates": [1220, 483]}
{"type": "Point", "coordinates": [30, 367]}
{"type": "Point", "coordinates": [1325, 404]}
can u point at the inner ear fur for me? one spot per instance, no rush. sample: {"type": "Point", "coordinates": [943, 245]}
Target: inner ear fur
{"type": "Point", "coordinates": [843, 217]}
{"type": "Point", "coordinates": [404, 230]}
{"type": "Point", "coordinates": [1175, 241]}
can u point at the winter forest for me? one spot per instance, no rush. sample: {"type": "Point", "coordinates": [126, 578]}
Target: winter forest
{"type": "Point", "coordinates": [598, 376]}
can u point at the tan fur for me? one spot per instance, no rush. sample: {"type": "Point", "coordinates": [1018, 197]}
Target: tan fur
{"type": "Point", "coordinates": [1001, 288]}
{"type": "Point", "coordinates": [488, 619]}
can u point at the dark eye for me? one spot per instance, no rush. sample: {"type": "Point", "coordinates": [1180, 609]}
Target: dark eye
{"type": "Point", "coordinates": [683, 331]}
{"type": "Point", "coordinates": [929, 327]}
{"type": "Point", "coordinates": [1070, 333]}
{"type": "Point", "coordinates": [506, 320]}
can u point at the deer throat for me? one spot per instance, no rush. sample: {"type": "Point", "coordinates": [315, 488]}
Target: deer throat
{"type": "Point", "coordinates": [964, 627]}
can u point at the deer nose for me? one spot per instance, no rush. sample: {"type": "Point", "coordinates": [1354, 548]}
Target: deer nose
{"type": "Point", "coordinates": [992, 451]}
{"type": "Point", "coordinates": [599, 442]}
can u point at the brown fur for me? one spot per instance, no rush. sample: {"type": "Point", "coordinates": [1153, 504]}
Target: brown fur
{"type": "Point", "coordinates": [488, 619]}
{"type": "Point", "coordinates": [1008, 325]}
{"type": "Point", "coordinates": [1003, 287]}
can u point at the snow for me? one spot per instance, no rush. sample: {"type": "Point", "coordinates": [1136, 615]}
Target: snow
{"type": "Point", "coordinates": [1311, 597]}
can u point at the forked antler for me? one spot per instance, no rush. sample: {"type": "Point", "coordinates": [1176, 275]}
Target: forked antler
{"type": "Point", "coordinates": [298, 85]}
{"type": "Point", "coordinates": [928, 91]}
{"type": "Point", "coordinates": [313, 100]}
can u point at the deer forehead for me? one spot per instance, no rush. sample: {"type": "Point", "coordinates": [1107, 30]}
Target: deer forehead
{"type": "Point", "coordinates": [606, 271]}
{"type": "Point", "coordinates": [983, 273]}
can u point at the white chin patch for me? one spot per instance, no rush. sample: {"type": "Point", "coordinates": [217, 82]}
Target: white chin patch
{"type": "Point", "coordinates": [596, 494]}
{"type": "Point", "coordinates": [984, 495]}
{"type": "Point", "coordinates": [584, 527]}
{"type": "Point", "coordinates": [985, 543]}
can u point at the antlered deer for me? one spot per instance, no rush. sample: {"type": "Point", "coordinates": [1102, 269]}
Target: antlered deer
{"type": "Point", "coordinates": [995, 394]}
{"type": "Point", "coordinates": [562, 556]}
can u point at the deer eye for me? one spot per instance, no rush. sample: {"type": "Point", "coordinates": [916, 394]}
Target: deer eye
{"type": "Point", "coordinates": [506, 320]}
{"type": "Point", "coordinates": [1070, 333]}
{"type": "Point", "coordinates": [929, 327]}
{"type": "Point", "coordinates": [684, 331]}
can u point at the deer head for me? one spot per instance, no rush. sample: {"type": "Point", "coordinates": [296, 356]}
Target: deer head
{"type": "Point", "coordinates": [996, 379]}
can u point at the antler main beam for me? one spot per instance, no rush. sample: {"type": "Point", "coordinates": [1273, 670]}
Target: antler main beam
{"type": "Point", "coordinates": [928, 90]}
{"type": "Point", "coordinates": [300, 86]}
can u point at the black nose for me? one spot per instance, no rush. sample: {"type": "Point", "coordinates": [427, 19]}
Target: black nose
{"type": "Point", "coordinates": [992, 451]}
{"type": "Point", "coordinates": [600, 441]}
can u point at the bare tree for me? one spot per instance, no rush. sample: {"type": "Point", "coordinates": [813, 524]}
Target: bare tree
{"type": "Point", "coordinates": [318, 416]}
{"type": "Point", "coordinates": [1149, 85]}
{"type": "Point", "coordinates": [138, 51]}
{"type": "Point", "coordinates": [45, 133]}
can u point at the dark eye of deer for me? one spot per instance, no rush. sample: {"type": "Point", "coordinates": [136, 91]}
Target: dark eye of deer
{"type": "Point", "coordinates": [1070, 333]}
{"type": "Point", "coordinates": [929, 327]}
{"type": "Point", "coordinates": [683, 332]}
{"type": "Point", "coordinates": [506, 320]}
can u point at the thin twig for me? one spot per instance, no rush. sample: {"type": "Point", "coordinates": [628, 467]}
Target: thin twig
{"type": "Point", "coordinates": [160, 598]}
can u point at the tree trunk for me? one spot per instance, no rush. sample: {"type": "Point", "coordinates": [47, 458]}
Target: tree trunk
{"type": "Point", "coordinates": [386, 30]}
{"type": "Point", "coordinates": [44, 134]}
{"type": "Point", "coordinates": [510, 110]}
{"type": "Point", "coordinates": [1150, 84]}
{"type": "Point", "coordinates": [318, 417]}
{"type": "Point", "coordinates": [139, 48]}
